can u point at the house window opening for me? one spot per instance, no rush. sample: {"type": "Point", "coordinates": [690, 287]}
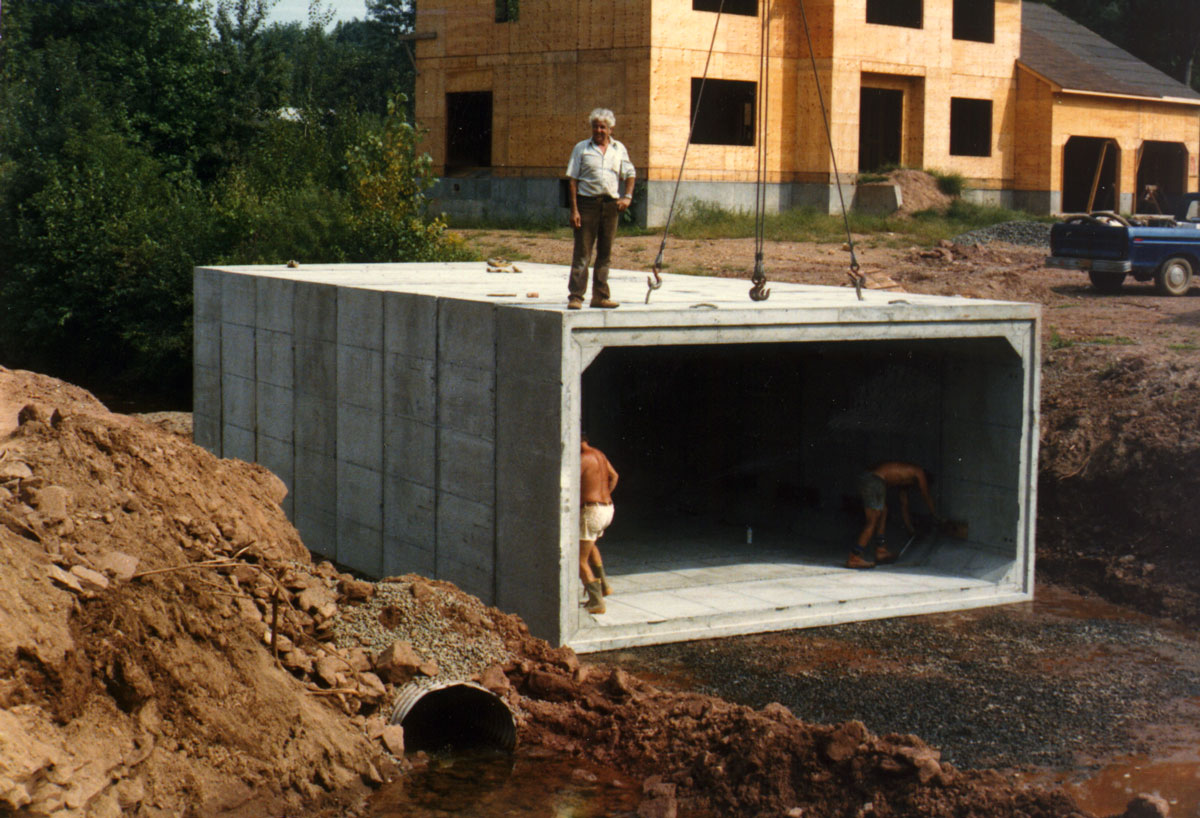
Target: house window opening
{"type": "Point", "coordinates": [970, 127]}
{"type": "Point", "coordinates": [468, 130]}
{"type": "Point", "coordinates": [748, 8]}
{"type": "Point", "coordinates": [975, 20]}
{"type": "Point", "coordinates": [907, 13]}
{"type": "Point", "coordinates": [724, 115]}
{"type": "Point", "coordinates": [880, 126]}
{"type": "Point", "coordinates": [508, 11]}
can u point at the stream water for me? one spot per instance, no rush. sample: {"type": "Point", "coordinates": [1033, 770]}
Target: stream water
{"type": "Point", "coordinates": [489, 784]}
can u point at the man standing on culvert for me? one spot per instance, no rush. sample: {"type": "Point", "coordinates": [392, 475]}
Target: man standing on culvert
{"type": "Point", "coordinates": [597, 169]}
{"type": "Point", "coordinates": [873, 485]}
{"type": "Point", "coordinates": [597, 479]}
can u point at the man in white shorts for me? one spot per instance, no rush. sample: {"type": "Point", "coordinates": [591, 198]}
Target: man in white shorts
{"type": "Point", "coordinates": [597, 479]}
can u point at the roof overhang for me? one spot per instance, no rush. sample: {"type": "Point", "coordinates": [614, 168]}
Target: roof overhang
{"type": "Point", "coordinates": [1060, 89]}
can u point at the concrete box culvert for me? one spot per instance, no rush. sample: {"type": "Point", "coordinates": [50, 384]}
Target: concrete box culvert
{"type": "Point", "coordinates": [457, 716]}
{"type": "Point", "coordinates": [426, 419]}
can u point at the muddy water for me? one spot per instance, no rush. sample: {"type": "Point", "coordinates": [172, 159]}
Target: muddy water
{"type": "Point", "coordinates": [529, 784]}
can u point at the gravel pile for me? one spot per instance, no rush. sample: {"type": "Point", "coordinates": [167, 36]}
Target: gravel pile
{"type": "Point", "coordinates": [993, 692]}
{"type": "Point", "coordinates": [453, 629]}
{"type": "Point", "coordinates": [1028, 234]}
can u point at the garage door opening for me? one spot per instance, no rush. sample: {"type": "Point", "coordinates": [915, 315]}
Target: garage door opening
{"type": "Point", "coordinates": [1090, 174]}
{"type": "Point", "coordinates": [738, 466]}
{"type": "Point", "coordinates": [1162, 175]}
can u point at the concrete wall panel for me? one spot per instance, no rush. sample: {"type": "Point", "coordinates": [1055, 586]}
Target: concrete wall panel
{"type": "Point", "coordinates": [274, 412]}
{"type": "Point", "coordinates": [410, 387]}
{"type": "Point", "coordinates": [238, 301]}
{"type": "Point", "coordinates": [237, 350]}
{"type": "Point", "coordinates": [360, 318]}
{"type": "Point", "coordinates": [279, 457]}
{"type": "Point", "coordinates": [315, 312]}
{"type": "Point", "coordinates": [274, 304]}
{"type": "Point", "coordinates": [410, 325]}
{"type": "Point", "coordinates": [273, 357]}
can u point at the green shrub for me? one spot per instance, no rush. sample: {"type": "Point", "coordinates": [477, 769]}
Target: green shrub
{"type": "Point", "coordinates": [951, 183]}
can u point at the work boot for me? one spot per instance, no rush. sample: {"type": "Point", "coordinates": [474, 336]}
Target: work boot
{"type": "Point", "coordinates": [574, 303]}
{"type": "Point", "coordinates": [604, 581]}
{"type": "Point", "coordinates": [858, 562]}
{"type": "Point", "coordinates": [883, 556]}
{"type": "Point", "coordinates": [605, 303]}
{"type": "Point", "coordinates": [595, 600]}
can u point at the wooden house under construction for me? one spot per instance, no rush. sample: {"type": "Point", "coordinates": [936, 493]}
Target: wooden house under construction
{"type": "Point", "coordinates": [1035, 111]}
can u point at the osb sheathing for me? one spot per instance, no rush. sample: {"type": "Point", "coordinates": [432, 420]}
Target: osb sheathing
{"type": "Point", "coordinates": [562, 58]}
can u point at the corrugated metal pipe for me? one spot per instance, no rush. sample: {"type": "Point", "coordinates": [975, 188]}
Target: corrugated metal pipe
{"type": "Point", "coordinates": [454, 716]}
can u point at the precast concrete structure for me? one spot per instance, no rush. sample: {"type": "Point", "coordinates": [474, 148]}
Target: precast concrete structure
{"type": "Point", "coordinates": [426, 419]}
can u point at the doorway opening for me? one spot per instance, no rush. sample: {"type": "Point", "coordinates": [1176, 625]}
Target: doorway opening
{"type": "Point", "coordinates": [1090, 174]}
{"type": "Point", "coordinates": [880, 128]}
{"type": "Point", "coordinates": [468, 131]}
{"type": "Point", "coordinates": [1161, 177]}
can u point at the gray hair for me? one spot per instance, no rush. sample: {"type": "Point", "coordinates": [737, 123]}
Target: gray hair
{"type": "Point", "coordinates": [604, 115]}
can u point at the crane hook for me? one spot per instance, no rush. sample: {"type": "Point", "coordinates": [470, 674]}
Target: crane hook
{"type": "Point", "coordinates": [653, 283]}
{"type": "Point", "coordinates": [759, 292]}
{"type": "Point", "coordinates": [856, 278]}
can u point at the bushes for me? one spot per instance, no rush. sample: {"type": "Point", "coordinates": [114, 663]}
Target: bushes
{"type": "Point", "coordinates": [106, 206]}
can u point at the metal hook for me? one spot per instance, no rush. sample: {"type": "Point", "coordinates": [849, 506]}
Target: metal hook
{"type": "Point", "coordinates": [759, 291]}
{"type": "Point", "coordinates": [653, 283]}
{"type": "Point", "coordinates": [857, 279]}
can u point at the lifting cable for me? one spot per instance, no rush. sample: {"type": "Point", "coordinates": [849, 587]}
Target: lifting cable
{"type": "Point", "coordinates": [855, 277]}
{"type": "Point", "coordinates": [759, 292]}
{"type": "Point", "coordinates": [654, 283]}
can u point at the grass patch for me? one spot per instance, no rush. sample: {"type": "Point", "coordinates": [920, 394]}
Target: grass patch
{"type": "Point", "coordinates": [1059, 342]}
{"type": "Point", "coordinates": [1186, 346]}
{"type": "Point", "coordinates": [1112, 341]}
{"type": "Point", "coordinates": [703, 220]}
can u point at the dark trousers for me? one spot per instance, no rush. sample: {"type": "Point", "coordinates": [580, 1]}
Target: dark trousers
{"type": "Point", "coordinates": [597, 228]}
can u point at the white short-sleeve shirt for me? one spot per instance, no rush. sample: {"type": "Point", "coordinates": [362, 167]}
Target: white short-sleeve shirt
{"type": "Point", "coordinates": [600, 173]}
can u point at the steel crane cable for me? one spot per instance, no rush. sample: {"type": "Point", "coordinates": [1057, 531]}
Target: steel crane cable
{"type": "Point", "coordinates": [854, 274]}
{"type": "Point", "coordinates": [654, 283]}
{"type": "Point", "coordinates": [759, 292]}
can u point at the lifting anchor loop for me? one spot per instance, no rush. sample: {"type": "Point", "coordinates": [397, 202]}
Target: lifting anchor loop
{"type": "Point", "coordinates": [760, 291]}
{"type": "Point", "coordinates": [653, 283]}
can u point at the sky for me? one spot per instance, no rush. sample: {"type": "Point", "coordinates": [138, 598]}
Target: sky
{"type": "Point", "coordinates": [287, 11]}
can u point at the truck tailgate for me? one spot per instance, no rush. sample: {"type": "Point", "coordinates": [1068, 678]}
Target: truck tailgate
{"type": "Point", "coordinates": [1089, 240]}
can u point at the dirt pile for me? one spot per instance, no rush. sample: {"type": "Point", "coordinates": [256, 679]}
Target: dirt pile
{"type": "Point", "coordinates": [918, 191]}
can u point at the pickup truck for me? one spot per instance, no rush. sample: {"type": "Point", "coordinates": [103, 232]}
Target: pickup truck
{"type": "Point", "coordinates": [1110, 247]}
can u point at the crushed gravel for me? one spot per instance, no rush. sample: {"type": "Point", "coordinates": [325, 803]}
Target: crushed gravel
{"type": "Point", "coordinates": [995, 691]}
{"type": "Point", "coordinates": [1024, 233]}
{"type": "Point", "coordinates": [450, 628]}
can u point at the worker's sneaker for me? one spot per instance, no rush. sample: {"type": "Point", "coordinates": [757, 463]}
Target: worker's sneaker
{"type": "Point", "coordinates": [883, 556]}
{"type": "Point", "coordinates": [605, 303]}
{"type": "Point", "coordinates": [858, 562]}
{"type": "Point", "coordinates": [574, 303]}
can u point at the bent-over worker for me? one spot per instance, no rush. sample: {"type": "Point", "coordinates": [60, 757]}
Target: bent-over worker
{"type": "Point", "coordinates": [873, 485]}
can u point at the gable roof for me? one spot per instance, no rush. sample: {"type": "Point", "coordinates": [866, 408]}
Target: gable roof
{"type": "Point", "coordinates": [1077, 59]}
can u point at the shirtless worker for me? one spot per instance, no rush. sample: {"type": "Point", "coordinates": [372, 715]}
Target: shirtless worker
{"type": "Point", "coordinates": [873, 485]}
{"type": "Point", "coordinates": [597, 479]}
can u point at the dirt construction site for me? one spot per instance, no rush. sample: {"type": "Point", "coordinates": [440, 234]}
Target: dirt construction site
{"type": "Point", "coordinates": [170, 647]}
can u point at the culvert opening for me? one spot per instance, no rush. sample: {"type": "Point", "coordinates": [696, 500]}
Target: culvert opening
{"type": "Point", "coordinates": [457, 717]}
{"type": "Point", "coordinates": [734, 454]}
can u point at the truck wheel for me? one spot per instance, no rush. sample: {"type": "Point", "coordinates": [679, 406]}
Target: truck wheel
{"type": "Point", "coordinates": [1174, 277]}
{"type": "Point", "coordinates": [1107, 283]}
